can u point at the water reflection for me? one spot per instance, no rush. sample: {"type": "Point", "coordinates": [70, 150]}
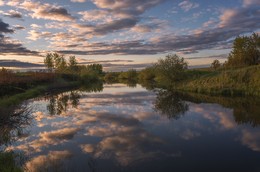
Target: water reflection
{"type": "Point", "coordinates": [14, 123]}
{"type": "Point", "coordinates": [125, 129]}
{"type": "Point", "coordinates": [171, 104]}
{"type": "Point", "coordinates": [58, 104]}
{"type": "Point", "coordinates": [96, 86]}
{"type": "Point", "coordinates": [246, 110]}
{"type": "Point", "coordinates": [129, 82]}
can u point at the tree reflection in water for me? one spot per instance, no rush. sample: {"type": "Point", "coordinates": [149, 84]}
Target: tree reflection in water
{"type": "Point", "coordinates": [246, 110]}
{"type": "Point", "coordinates": [13, 123]}
{"type": "Point", "coordinates": [170, 103]}
{"type": "Point", "coordinates": [129, 82]}
{"type": "Point", "coordinates": [59, 104]}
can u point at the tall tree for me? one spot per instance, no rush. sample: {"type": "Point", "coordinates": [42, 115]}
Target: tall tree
{"type": "Point", "coordinates": [73, 64]}
{"type": "Point", "coordinates": [48, 61]}
{"type": "Point", "coordinates": [245, 52]}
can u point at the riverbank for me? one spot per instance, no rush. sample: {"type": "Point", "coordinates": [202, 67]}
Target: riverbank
{"type": "Point", "coordinates": [226, 82]}
{"type": "Point", "coordinates": [15, 99]}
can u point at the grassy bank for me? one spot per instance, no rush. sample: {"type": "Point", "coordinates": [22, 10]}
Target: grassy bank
{"type": "Point", "coordinates": [239, 81]}
{"type": "Point", "coordinates": [36, 91]}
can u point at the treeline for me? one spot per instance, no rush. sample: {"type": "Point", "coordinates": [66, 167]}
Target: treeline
{"type": "Point", "coordinates": [70, 69]}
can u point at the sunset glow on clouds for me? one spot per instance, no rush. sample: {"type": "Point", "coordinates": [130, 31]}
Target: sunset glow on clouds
{"type": "Point", "coordinates": [140, 31]}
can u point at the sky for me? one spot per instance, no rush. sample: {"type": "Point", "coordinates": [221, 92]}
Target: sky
{"type": "Point", "coordinates": [123, 34]}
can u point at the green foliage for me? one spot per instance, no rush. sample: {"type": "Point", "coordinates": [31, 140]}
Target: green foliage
{"type": "Point", "coordinates": [56, 62]}
{"type": "Point", "coordinates": [245, 51]}
{"type": "Point", "coordinates": [71, 70]}
{"type": "Point", "coordinates": [148, 73]}
{"type": "Point", "coordinates": [73, 64]}
{"type": "Point", "coordinates": [111, 77]}
{"type": "Point", "coordinates": [131, 74]}
{"type": "Point", "coordinates": [215, 64]}
{"type": "Point", "coordinates": [171, 69]}
{"type": "Point", "coordinates": [90, 73]}
{"type": "Point", "coordinates": [95, 68]}
{"type": "Point", "coordinates": [49, 62]}
{"type": "Point", "coordinates": [8, 162]}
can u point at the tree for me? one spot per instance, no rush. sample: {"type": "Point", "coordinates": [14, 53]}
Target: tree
{"type": "Point", "coordinates": [147, 74]}
{"type": "Point", "coordinates": [48, 61]}
{"type": "Point", "coordinates": [60, 63]}
{"type": "Point", "coordinates": [55, 61]}
{"type": "Point", "coordinates": [171, 69]}
{"type": "Point", "coordinates": [73, 64]}
{"type": "Point", "coordinates": [96, 68]}
{"type": "Point", "coordinates": [245, 51]}
{"type": "Point", "coordinates": [215, 64]}
{"type": "Point", "coordinates": [131, 74]}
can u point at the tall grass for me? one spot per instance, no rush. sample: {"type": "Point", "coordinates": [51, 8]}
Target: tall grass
{"type": "Point", "coordinates": [239, 81]}
{"type": "Point", "coordinates": [13, 83]}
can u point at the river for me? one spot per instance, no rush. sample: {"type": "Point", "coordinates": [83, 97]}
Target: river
{"type": "Point", "coordinates": [120, 128]}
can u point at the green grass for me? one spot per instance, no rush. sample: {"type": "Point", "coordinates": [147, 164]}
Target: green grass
{"type": "Point", "coordinates": [239, 81]}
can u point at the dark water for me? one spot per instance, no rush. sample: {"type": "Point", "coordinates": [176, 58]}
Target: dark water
{"type": "Point", "coordinates": [132, 129]}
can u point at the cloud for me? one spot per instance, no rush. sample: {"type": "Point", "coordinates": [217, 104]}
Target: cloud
{"type": "Point", "coordinates": [19, 27]}
{"type": "Point", "coordinates": [13, 14]}
{"type": "Point", "coordinates": [5, 28]}
{"type": "Point", "coordinates": [108, 27]}
{"type": "Point", "coordinates": [127, 7]}
{"type": "Point", "coordinates": [187, 5]}
{"type": "Point", "coordinates": [96, 15]}
{"type": "Point", "coordinates": [115, 15]}
{"type": "Point", "coordinates": [87, 148]}
{"type": "Point", "coordinates": [135, 33]}
{"type": "Point", "coordinates": [251, 139]}
{"type": "Point", "coordinates": [51, 138]}
{"type": "Point", "coordinates": [34, 35]}
{"type": "Point", "coordinates": [221, 56]}
{"type": "Point", "coordinates": [45, 11]}
{"type": "Point", "coordinates": [250, 2]}
{"type": "Point", "coordinates": [217, 35]}
{"type": "Point", "coordinates": [62, 134]}
{"type": "Point", "coordinates": [16, 63]}
{"type": "Point", "coordinates": [53, 160]}
{"type": "Point", "coordinates": [122, 138]}
{"type": "Point", "coordinates": [35, 26]}
{"type": "Point", "coordinates": [81, 1]}
{"type": "Point", "coordinates": [10, 46]}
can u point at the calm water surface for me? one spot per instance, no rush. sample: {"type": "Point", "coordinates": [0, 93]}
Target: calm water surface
{"type": "Point", "coordinates": [132, 129]}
